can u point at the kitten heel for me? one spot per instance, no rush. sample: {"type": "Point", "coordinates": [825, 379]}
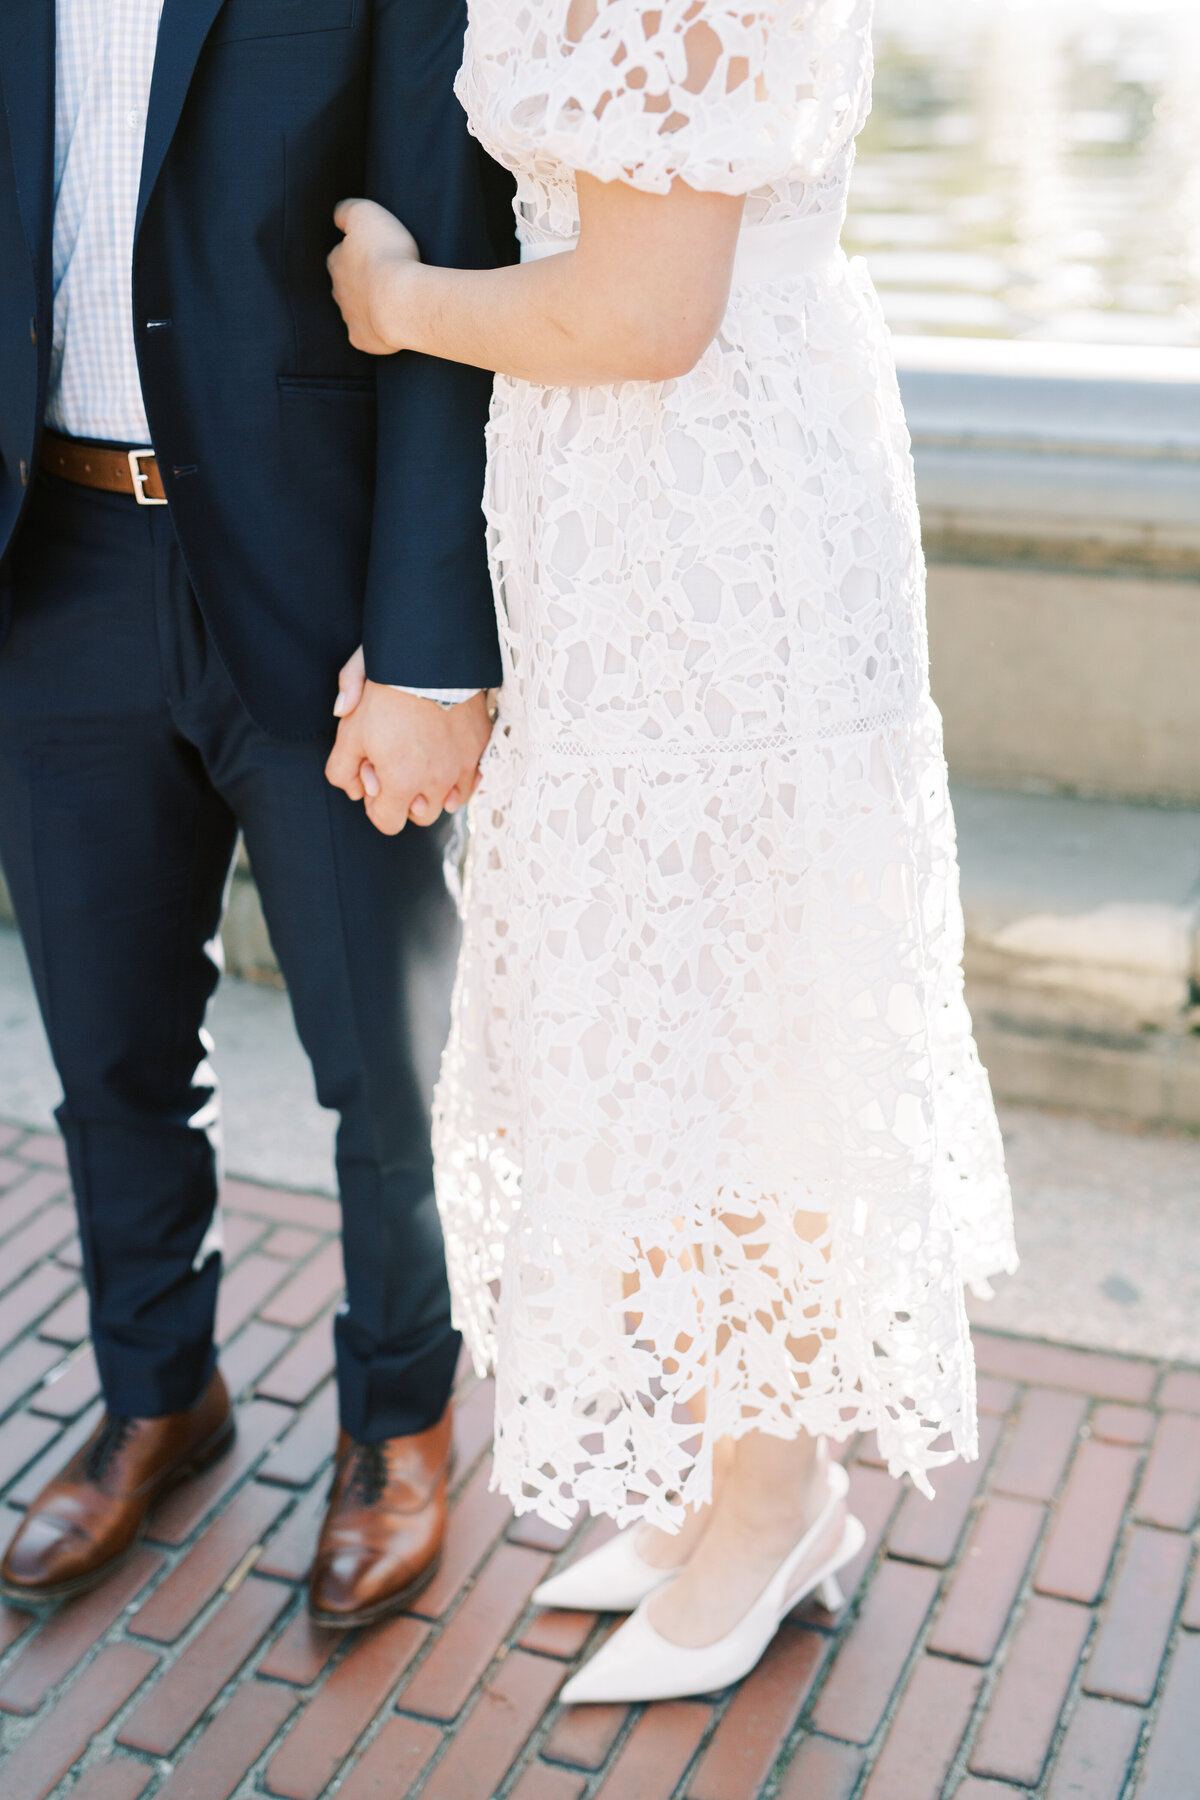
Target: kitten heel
{"type": "Point", "coordinates": [830, 1594]}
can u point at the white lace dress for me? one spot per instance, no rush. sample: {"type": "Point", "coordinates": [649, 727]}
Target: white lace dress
{"type": "Point", "coordinates": [711, 1129]}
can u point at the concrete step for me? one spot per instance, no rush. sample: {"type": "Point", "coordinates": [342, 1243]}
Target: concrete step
{"type": "Point", "coordinates": [1083, 948]}
{"type": "Point", "coordinates": [1082, 952]}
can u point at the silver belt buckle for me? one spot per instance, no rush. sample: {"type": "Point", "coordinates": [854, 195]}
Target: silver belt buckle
{"type": "Point", "coordinates": [140, 478]}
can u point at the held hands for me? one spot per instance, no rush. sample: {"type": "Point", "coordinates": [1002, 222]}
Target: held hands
{"type": "Point", "coordinates": [363, 267]}
{"type": "Point", "coordinates": [408, 758]}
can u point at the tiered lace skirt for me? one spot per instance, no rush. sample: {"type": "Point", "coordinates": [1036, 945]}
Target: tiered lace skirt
{"type": "Point", "coordinates": [715, 1152]}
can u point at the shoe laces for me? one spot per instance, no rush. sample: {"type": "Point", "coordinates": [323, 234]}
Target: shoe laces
{"type": "Point", "coordinates": [367, 1477]}
{"type": "Point", "coordinates": [109, 1441]}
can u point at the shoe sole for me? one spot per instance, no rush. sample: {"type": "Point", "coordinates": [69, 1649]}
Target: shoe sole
{"type": "Point", "coordinates": [383, 1609]}
{"type": "Point", "coordinates": [208, 1453]}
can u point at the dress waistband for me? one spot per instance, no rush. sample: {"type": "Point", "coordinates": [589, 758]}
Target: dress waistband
{"type": "Point", "coordinates": [765, 252]}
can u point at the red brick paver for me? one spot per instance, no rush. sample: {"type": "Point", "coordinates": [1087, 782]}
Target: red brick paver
{"type": "Point", "coordinates": [1032, 1691]}
{"type": "Point", "coordinates": [1080, 1548]}
{"type": "Point", "coordinates": [989, 1578]}
{"type": "Point", "coordinates": [1170, 1490]}
{"type": "Point", "coordinates": [231, 1744]}
{"type": "Point", "coordinates": [1126, 1660]}
{"type": "Point", "coordinates": [1096, 1752]}
{"type": "Point", "coordinates": [482, 1750]}
{"type": "Point", "coordinates": [1031, 1634]}
{"type": "Point", "coordinates": [40, 1761]}
{"type": "Point", "coordinates": [67, 1637]}
{"type": "Point", "coordinates": [1171, 1770]}
{"type": "Point", "coordinates": [1041, 1444]}
{"type": "Point", "coordinates": [332, 1722]}
{"type": "Point", "coordinates": [173, 1706]}
{"type": "Point", "coordinates": [822, 1770]}
{"type": "Point", "coordinates": [651, 1763]}
{"type": "Point", "coordinates": [760, 1717]}
{"type": "Point", "coordinates": [854, 1699]}
{"type": "Point", "coordinates": [116, 1778]}
{"type": "Point", "coordinates": [926, 1733]}
{"type": "Point", "coordinates": [393, 1761]}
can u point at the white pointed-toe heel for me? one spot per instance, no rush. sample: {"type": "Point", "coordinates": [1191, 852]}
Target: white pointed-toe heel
{"type": "Point", "coordinates": [638, 1663]}
{"type": "Point", "coordinates": [613, 1578]}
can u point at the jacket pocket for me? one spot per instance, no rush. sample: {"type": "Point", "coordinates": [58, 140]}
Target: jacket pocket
{"type": "Point", "coordinates": [279, 18]}
{"type": "Point", "coordinates": [332, 385]}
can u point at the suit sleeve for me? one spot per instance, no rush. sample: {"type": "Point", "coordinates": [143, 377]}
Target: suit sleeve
{"type": "Point", "coordinates": [430, 618]}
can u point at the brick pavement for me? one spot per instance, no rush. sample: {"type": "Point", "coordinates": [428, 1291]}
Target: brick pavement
{"type": "Point", "coordinates": [1033, 1631]}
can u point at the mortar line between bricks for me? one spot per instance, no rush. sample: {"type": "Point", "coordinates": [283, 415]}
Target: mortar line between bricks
{"type": "Point", "coordinates": [596, 1779]}
{"type": "Point", "coordinates": [449, 1730]}
{"type": "Point", "coordinates": [705, 1740]}
{"type": "Point", "coordinates": [374, 1728]}
{"type": "Point", "coordinates": [1174, 1639]}
{"type": "Point", "coordinates": [990, 1671]}
{"type": "Point", "coordinates": [1163, 1365]}
{"type": "Point", "coordinates": [1098, 1616]}
{"type": "Point", "coordinates": [245, 1673]}
{"type": "Point", "coordinates": [103, 1742]}
{"type": "Point", "coordinates": [1146, 1735]}
{"type": "Point", "coordinates": [248, 1787]}
{"type": "Point", "coordinates": [1166, 1367]}
{"type": "Point", "coordinates": [49, 1199]}
{"type": "Point", "coordinates": [993, 1670]}
{"type": "Point", "coordinates": [20, 1403]}
{"type": "Point", "coordinates": [389, 1707]}
{"type": "Point", "coordinates": [803, 1728]}
{"type": "Point", "coordinates": [1150, 1719]}
{"type": "Point", "coordinates": [18, 1726]}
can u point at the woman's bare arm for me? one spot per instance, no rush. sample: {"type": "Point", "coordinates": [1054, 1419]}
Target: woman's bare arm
{"type": "Point", "coordinates": [639, 299]}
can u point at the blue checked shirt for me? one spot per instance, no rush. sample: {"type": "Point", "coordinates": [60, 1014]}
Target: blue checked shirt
{"type": "Point", "coordinates": [103, 70]}
{"type": "Point", "coordinates": [104, 63]}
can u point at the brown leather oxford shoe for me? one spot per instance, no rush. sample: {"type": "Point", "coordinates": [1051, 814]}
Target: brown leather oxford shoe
{"type": "Point", "coordinates": [381, 1542]}
{"type": "Point", "coordinates": [86, 1522]}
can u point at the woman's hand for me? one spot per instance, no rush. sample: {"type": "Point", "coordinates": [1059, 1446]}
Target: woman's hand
{"type": "Point", "coordinates": [352, 679]}
{"type": "Point", "coordinates": [363, 267]}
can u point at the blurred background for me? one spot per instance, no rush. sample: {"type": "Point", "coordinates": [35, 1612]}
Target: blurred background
{"type": "Point", "coordinates": [1031, 169]}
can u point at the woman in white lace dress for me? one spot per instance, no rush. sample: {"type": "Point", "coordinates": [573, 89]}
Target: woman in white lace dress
{"type": "Point", "coordinates": [715, 1151]}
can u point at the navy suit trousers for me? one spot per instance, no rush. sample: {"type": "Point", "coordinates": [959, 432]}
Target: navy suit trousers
{"type": "Point", "coordinates": [127, 765]}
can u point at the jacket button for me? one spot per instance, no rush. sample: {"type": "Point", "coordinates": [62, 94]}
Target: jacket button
{"type": "Point", "coordinates": [33, 332]}
{"type": "Point", "coordinates": [24, 468]}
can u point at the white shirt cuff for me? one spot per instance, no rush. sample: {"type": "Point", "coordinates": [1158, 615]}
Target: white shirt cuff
{"type": "Point", "coordinates": [443, 696]}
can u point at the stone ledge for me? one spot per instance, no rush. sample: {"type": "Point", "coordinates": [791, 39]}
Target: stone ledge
{"type": "Point", "coordinates": [1055, 455]}
{"type": "Point", "coordinates": [1083, 926]}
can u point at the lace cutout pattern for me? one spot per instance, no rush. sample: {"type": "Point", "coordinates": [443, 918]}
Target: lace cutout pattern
{"type": "Point", "coordinates": [712, 1136]}
{"type": "Point", "coordinates": [727, 97]}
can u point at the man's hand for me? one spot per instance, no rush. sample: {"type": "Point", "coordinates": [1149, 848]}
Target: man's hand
{"type": "Point", "coordinates": [421, 759]}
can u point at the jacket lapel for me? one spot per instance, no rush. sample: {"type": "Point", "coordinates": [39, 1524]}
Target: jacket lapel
{"type": "Point", "coordinates": [181, 33]}
{"type": "Point", "coordinates": [27, 81]}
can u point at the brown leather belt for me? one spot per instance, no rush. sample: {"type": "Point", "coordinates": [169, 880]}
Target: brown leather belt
{"type": "Point", "coordinates": [113, 470]}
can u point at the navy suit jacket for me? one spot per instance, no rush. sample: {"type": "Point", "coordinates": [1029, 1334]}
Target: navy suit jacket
{"type": "Point", "coordinates": [321, 497]}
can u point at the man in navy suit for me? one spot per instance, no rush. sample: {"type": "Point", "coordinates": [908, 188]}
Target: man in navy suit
{"type": "Point", "coordinates": [208, 501]}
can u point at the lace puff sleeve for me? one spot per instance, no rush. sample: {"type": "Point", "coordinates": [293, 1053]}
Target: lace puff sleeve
{"type": "Point", "coordinates": [727, 97]}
